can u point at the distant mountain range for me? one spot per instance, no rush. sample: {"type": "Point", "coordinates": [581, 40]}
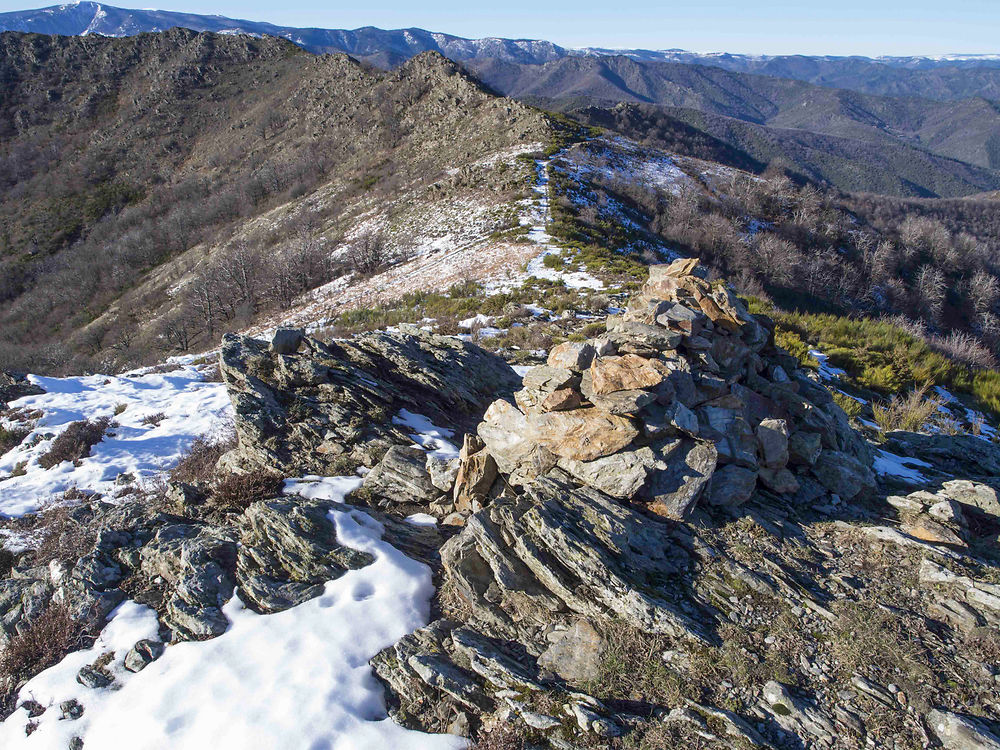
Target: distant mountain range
{"type": "Point", "coordinates": [918, 126]}
{"type": "Point", "coordinates": [917, 76]}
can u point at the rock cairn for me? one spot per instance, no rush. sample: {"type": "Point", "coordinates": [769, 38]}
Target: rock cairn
{"type": "Point", "coordinates": [684, 400]}
{"type": "Point", "coordinates": [573, 495]}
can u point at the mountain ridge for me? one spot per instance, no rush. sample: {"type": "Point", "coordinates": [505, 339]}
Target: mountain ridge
{"type": "Point", "coordinates": [914, 75]}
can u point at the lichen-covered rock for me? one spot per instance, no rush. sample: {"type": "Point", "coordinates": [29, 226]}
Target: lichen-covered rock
{"type": "Point", "coordinates": [289, 549]}
{"type": "Point", "coordinates": [306, 412]}
{"type": "Point", "coordinates": [402, 477]}
{"type": "Point", "coordinates": [561, 547]}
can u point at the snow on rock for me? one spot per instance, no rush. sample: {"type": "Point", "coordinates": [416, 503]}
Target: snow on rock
{"type": "Point", "coordinates": [826, 370]}
{"type": "Point", "coordinates": [295, 679]}
{"type": "Point", "coordinates": [427, 435]}
{"type": "Point", "coordinates": [190, 407]}
{"type": "Point", "coordinates": [901, 467]}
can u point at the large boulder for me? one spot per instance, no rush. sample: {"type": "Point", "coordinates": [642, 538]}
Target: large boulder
{"type": "Point", "coordinates": [313, 408]}
{"type": "Point", "coordinates": [288, 550]}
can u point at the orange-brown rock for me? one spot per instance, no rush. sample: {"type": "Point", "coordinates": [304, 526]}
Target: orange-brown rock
{"type": "Point", "coordinates": [562, 400]}
{"type": "Point", "coordinates": [581, 434]}
{"type": "Point", "coordinates": [625, 373]}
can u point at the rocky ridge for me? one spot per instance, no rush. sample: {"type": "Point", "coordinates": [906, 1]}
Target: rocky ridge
{"type": "Point", "coordinates": [667, 534]}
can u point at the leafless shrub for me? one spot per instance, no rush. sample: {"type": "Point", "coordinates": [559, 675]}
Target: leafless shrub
{"type": "Point", "coordinates": [75, 441]}
{"type": "Point", "coordinates": [198, 463]}
{"type": "Point", "coordinates": [46, 640]}
{"type": "Point", "coordinates": [65, 537]}
{"type": "Point", "coordinates": [236, 492]}
{"type": "Point", "coordinates": [11, 437]}
{"type": "Point", "coordinates": [964, 347]}
{"type": "Point", "coordinates": [153, 420]}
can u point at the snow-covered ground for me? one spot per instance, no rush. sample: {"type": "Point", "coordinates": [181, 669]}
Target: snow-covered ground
{"type": "Point", "coordinates": [298, 679]}
{"type": "Point", "coordinates": [190, 407]}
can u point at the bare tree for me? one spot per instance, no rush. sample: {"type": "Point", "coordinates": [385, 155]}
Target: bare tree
{"type": "Point", "coordinates": [367, 254]}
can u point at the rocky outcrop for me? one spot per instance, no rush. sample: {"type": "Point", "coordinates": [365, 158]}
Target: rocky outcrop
{"type": "Point", "coordinates": [14, 386]}
{"type": "Point", "coordinates": [308, 407]}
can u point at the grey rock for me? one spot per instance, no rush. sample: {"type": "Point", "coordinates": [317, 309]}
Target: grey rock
{"type": "Point", "coordinates": [958, 732]}
{"type": "Point", "coordinates": [804, 448]}
{"type": "Point", "coordinates": [683, 470]}
{"type": "Point", "coordinates": [197, 564]}
{"type": "Point", "coordinates": [772, 438]}
{"type": "Point", "coordinates": [442, 673]}
{"type": "Point", "coordinates": [972, 494]}
{"type": "Point", "coordinates": [442, 472]}
{"type": "Point", "coordinates": [142, 654]}
{"type": "Point", "coordinates": [574, 653]}
{"type": "Point", "coordinates": [641, 338]}
{"type": "Point", "coordinates": [545, 379]}
{"type": "Point", "coordinates": [401, 477]}
{"type": "Point", "coordinates": [71, 709]}
{"type": "Point", "coordinates": [731, 486]}
{"type": "Point", "coordinates": [620, 475]}
{"type": "Point", "coordinates": [93, 678]}
{"type": "Point", "coordinates": [960, 455]}
{"type": "Point", "coordinates": [577, 548]}
{"type": "Point", "coordinates": [798, 715]}
{"type": "Point", "coordinates": [843, 475]}
{"type": "Point", "coordinates": [572, 355]}
{"type": "Point", "coordinates": [286, 340]}
{"type": "Point", "coordinates": [14, 386]}
{"type": "Point", "coordinates": [289, 550]}
{"type": "Point", "coordinates": [298, 415]}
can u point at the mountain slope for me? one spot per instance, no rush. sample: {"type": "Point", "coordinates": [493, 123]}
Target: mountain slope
{"type": "Point", "coordinates": [904, 146]}
{"type": "Point", "coordinates": [120, 155]}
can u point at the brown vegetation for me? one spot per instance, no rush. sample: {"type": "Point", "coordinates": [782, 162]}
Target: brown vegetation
{"type": "Point", "coordinates": [75, 442]}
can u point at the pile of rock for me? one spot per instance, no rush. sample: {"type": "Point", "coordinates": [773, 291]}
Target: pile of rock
{"type": "Point", "coordinates": [572, 490]}
{"type": "Point", "coordinates": [685, 398]}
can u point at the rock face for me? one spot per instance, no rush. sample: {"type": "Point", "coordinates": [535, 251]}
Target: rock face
{"type": "Point", "coordinates": [13, 387]}
{"type": "Point", "coordinates": [316, 407]}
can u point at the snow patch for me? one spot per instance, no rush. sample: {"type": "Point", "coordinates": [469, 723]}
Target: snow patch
{"type": "Point", "coordinates": [889, 464]}
{"type": "Point", "coordinates": [295, 679]}
{"type": "Point", "coordinates": [190, 407]}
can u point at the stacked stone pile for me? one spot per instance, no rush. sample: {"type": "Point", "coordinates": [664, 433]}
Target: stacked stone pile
{"type": "Point", "coordinates": [684, 400]}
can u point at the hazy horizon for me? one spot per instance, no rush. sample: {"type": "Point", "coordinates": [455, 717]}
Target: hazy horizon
{"type": "Point", "coordinates": [769, 27]}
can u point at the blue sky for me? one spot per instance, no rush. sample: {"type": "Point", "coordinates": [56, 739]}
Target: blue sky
{"type": "Point", "coordinates": [869, 27]}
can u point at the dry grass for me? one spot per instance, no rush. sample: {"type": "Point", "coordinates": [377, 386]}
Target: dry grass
{"type": "Point", "coordinates": [198, 464]}
{"type": "Point", "coordinates": [632, 668]}
{"type": "Point", "coordinates": [913, 412]}
{"type": "Point", "coordinates": [503, 737]}
{"type": "Point", "coordinates": [75, 441]}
